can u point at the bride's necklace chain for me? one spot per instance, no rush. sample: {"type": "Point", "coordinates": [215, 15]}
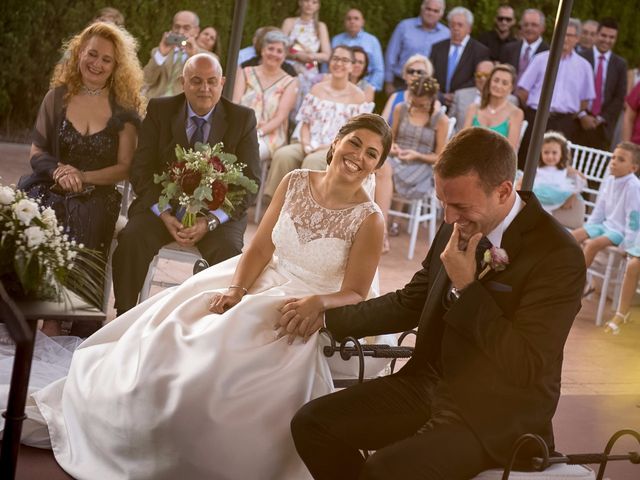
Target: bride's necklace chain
{"type": "Point", "coordinates": [92, 92]}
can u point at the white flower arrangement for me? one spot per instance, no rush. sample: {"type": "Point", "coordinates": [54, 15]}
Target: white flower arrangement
{"type": "Point", "coordinates": [37, 259]}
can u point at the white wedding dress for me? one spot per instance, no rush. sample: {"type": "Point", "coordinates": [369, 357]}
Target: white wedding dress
{"type": "Point", "coordinates": [171, 391]}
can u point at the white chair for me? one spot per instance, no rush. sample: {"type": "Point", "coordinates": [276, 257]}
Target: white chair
{"type": "Point", "coordinates": [554, 472]}
{"type": "Point", "coordinates": [610, 263]}
{"type": "Point", "coordinates": [452, 127]}
{"type": "Point", "coordinates": [419, 211]}
{"type": "Point", "coordinates": [171, 251]}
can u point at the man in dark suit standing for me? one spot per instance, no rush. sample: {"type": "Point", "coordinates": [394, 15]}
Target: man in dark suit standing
{"type": "Point", "coordinates": [500, 35]}
{"type": "Point", "coordinates": [455, 60]}
{"type": "Point", "coordinates": [610, 75]}
{"type": "Point", "coordinates": [519, 53]}
{"type": "Point", "coordinates": [198, 114]}
{"type": "Point", "coordinates": [488, 357]}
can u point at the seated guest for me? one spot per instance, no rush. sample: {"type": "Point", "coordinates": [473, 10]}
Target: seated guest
{"type": "Point", "coordinates": [359, 74]}
{"type": "Point", "coordinates": [207, 41]}
{"type": "Point", "coordinates": [631, 125]}
{"type": "Point", "coordinates": [355, 36]}
{"type": "Point", "coordinates": [162, 71]}
{"type": "Point", "coordinates": [573, 90]}
{"type": "Point", "coordinates": [588, 36]}
{"type": "Point", "coordinates": [597, 126]}
{"type": "Point", "coordinates": [256, 56]}
{"type": "Point", "coordinates": [270, 92]}
{"type": "Point", "coordinates": [251, 51]}
{"type": "Point", "coordinates": [495, 111]}
{"type": "Point", "coordinates": [85, 135]}
{"type": "Point", "coordinates": [557, 184]}
{"type": "Point", "coordinates": [199, 114]}
{"type": "Point", "coordinates": [519, 54]}
{"type": "Point", "coordinates": [413, 36]}
{"type": "Point", "coordinates": [455, 60]}
{"type": "Point", "coordinates": [415, 67]}
{"type": "Point", "coordinates": [324, 110]}
{"type": "Point", "coordinates": [614, 218]}
{"type": "Point", "coordinates": [465, 97]}
{"type": "Point", "coordinates": [501, 34]}
{"type": "Point", "coordinates": [419, 136]}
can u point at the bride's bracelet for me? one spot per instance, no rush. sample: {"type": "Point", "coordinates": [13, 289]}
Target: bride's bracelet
{"type": "Point", "coordinates": [238, 286]}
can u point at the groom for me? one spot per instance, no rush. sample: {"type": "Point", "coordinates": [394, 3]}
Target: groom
{"type": "Point", "coordinates": [488, 356]}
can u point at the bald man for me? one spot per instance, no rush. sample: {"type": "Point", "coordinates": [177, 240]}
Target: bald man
{"type": "Point", "coordinates": [198, 114]}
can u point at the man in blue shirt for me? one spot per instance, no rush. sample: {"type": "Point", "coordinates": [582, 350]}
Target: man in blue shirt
{"type": "Point", "coordinates": [411, 36]}
{"type": "Point", "coordinates": [354, 34]}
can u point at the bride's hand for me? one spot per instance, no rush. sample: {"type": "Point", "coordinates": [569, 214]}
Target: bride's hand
{"type": "Point", "coordinates": [298, 315]}
{"type": "Point", "coordinates": [221, 302]}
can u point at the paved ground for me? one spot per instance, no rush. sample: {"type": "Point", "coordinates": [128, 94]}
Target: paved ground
{"type": "Point", "coordinates": [601, 374]}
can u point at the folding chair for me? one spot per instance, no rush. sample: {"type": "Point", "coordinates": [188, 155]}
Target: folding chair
{"type": "Point", "coordinates": [419, 211]}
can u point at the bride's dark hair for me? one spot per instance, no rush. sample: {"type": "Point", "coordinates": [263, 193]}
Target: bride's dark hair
{"type": "Point", "coordinates": [369, 121]}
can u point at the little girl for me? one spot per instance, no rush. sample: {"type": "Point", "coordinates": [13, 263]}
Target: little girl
{"type": "Point", "coordinates": [557, 184]}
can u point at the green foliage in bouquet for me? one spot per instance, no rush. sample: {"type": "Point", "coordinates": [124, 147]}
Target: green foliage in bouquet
{"type": "Point", "coordinates": [204, 178]}
{"type": "Point", "coordinates": [37, 260]}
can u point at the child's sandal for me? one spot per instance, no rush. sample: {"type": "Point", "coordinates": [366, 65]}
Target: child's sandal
{"type": "Point", "coordinates": [612, 326]}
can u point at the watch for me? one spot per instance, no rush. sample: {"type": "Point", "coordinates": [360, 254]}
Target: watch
{"type": "Point", "coordinates": [212, 222]}
{"type": "Point", "coordinates": [455, 293]}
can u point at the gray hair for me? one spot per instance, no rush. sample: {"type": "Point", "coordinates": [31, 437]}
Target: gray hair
{"type": "Point", "coordinates": [461, 11]}
{"type": "Point", "coordinates": [576, 23]}
{"type": "Point", "coordinates": [442, 3]}
{"type": "Point", "coordinates": [276, 36]}
{"type": "Point", "coordinates": [215, 63]}
{"type": "Point", "coordinates": [537, 12]}
{"type": "Point", "coordinates": [591, 22]}
{"type": "Point", "coordinates": [196, 18]}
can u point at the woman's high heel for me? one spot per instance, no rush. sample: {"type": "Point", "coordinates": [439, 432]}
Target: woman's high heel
{"type": "Point", "coordinates": [613, 326]}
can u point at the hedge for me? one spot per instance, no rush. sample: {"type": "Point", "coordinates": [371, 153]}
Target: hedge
{"type": "Point", "coordinates": [33, 31]}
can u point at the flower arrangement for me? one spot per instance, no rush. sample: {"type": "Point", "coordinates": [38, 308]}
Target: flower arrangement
{"type": "Point", "coordinates": [202, 179]}
{"type": "Point", "coordinates": [494, 258]}
{"type": "Point", "coordinates": [37, 259]}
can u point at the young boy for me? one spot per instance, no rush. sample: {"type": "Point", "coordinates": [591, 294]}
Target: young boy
{"type": "Point", "coordinates": [615, 220]}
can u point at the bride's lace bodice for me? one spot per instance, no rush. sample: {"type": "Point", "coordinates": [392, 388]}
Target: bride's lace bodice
{"type": "Point", "coordinates": [313, 242]}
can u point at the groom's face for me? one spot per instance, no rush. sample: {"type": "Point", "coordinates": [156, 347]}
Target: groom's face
{"type": "Point", "coordinates": [468, 204]}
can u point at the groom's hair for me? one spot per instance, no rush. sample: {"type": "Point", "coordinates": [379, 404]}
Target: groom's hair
{"type": "Point", "coordinates": [478, 150]}
{"type": "Point", "coordinates": [368, 121]}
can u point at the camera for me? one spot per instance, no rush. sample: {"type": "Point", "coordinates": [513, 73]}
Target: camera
{"type": "Point", "coordinates": [176, 39]}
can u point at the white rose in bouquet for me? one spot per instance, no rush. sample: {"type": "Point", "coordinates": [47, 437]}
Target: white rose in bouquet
{"type": "Point", "coordinates": [49, 218]}
{"type": "Point", "coordinates": [7, 195]}
{"type": "Point", "coordinates": [35, 236]}
{"type": "Point", "coordinates": [25, 210]}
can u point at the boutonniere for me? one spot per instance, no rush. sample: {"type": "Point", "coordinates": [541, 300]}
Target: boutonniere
{"type": "Point", "coordinates": [494, 258]}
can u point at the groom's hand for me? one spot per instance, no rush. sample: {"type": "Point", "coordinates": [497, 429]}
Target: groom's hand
{"type": "Point", "coordinates": [299, 316]}
{"type": "Point", "coordinates": [460, 264]}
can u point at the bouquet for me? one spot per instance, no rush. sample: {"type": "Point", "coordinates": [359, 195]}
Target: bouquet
{"type": "Point", "coordinates": [204, 178]}
{"type": "Point", "coordinates": [37, 259]}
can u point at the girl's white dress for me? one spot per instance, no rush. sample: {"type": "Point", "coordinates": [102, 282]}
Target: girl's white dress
{"type": "Point", "coordinates": [171, 391]}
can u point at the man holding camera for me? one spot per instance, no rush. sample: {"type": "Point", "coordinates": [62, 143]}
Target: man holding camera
{"type": "Point", "coordinates": [162, 72]}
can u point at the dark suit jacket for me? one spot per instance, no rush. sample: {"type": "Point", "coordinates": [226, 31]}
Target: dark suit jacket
{"type": "Point", "coordinates": [164, 128]}
{"type": "Point", "coordinates": [473, 54]}
{"type": "Point", "coordinates": [499, 347]}
{"type": "Point", "coordinates": [615, 89]}
{"type": "Point", "coordinates": [510, 53]}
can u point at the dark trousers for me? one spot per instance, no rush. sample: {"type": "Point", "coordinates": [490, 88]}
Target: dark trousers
{"type": "Point", "coordinates": [141, 239]}
{"type": "Point", "coordinates": [385, 415]}
{"type": "Point", "coordinates": [565, 123]}
{"type": "Point", "coordinates": [596, 138]}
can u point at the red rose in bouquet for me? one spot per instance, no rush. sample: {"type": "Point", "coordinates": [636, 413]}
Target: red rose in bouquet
{"type": "Point", "coordinates": [199, 180]}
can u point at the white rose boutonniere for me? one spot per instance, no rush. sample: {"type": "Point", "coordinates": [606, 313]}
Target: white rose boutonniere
{"type": "Point", "coordinates": [494, 258]}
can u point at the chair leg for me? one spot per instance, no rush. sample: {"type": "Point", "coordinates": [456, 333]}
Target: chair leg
{"type": "Point", "coordinates": [108, 276]}
{"type": "Point", "coordinates": [605, 289]}
{"type": "Point", "coordinates": [146, 287]}
{"type": "Point", "coordinates": [416, 210]}
{"type": "Point", "coordinates": [263, 179]}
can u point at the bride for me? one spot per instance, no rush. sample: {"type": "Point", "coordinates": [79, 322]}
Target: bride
{"type": "Point", "coordinates": [200, 381]}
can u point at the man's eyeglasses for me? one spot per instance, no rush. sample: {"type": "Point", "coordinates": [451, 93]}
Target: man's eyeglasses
{"type": "Point", "coordinates": [344, 60]}
{"type": "Point", "coordinates": [359, 62]}
{"type": "Point", "coordinates": [413, 71]}
{"type": "Point", "coordinates": [504, 19]}
{"type": "Point", "coordinates": [480, 75]}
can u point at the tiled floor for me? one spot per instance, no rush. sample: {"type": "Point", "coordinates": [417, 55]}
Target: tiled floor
{"type": "Point", "coordinates": [601, 374]}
